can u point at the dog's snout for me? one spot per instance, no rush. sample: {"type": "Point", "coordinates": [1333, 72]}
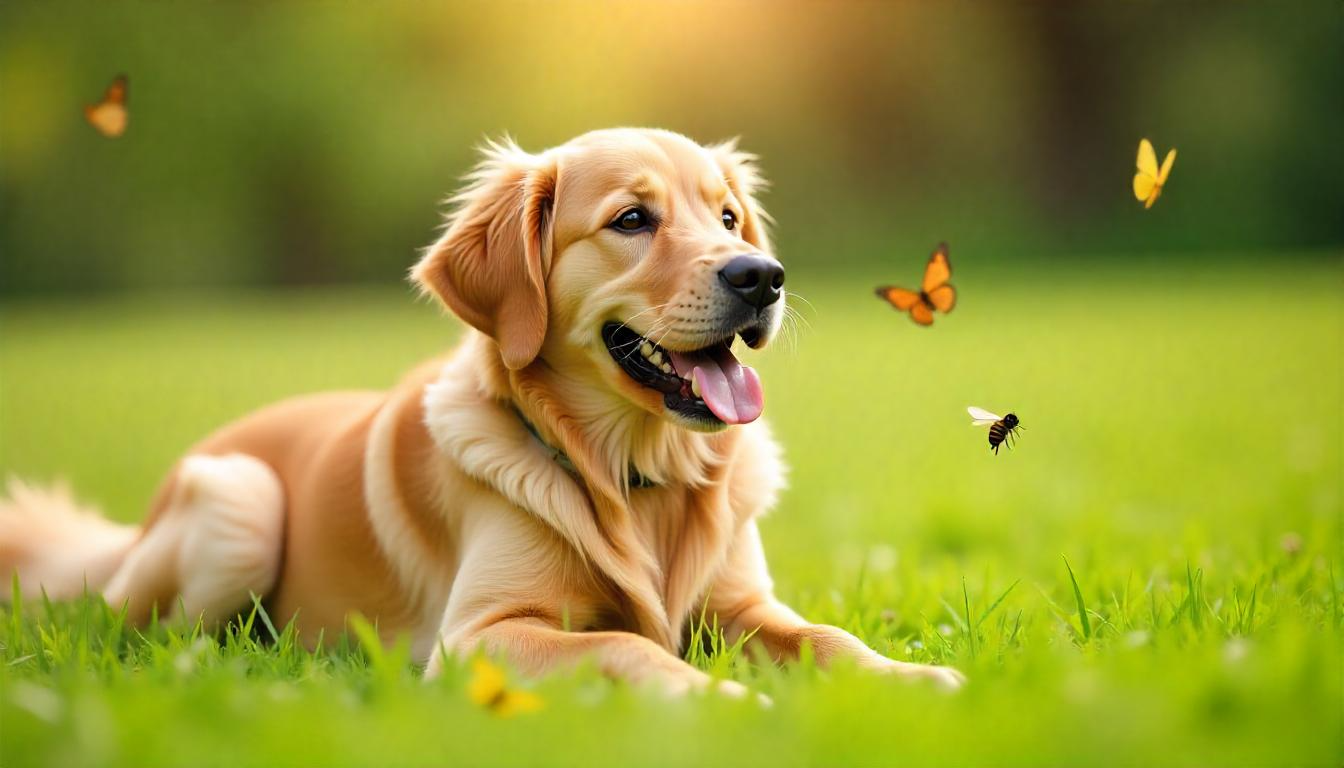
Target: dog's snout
{"type": "Point", "coordinates": [754, 278]}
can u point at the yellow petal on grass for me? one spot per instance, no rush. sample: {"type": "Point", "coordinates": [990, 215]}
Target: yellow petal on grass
{"type": "Point", "coordinates": [487, 682]}
{"type": "Point", "coordinates": [488, 689]}
{"type": "Point", "coordinates": [518, 703]}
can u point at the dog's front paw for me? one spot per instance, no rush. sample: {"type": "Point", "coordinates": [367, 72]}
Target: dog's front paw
{"type": "Point", "coordinates": [945, 678]}
{"type": "Point", "coordinates": [679, 685]}
{"type": "Point", "coordinates": [735, 690]}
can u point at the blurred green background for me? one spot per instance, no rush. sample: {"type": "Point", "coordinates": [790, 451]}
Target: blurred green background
{"type": "Point", "coordinates": [1178, 369]}
{"type": "Point", "coordinates": [284, 143]}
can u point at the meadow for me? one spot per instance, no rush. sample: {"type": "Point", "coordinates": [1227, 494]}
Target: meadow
{"type": "Point", "coordinates": [1151, 577]}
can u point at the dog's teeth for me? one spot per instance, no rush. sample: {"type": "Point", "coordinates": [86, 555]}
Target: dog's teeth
{"type": "Point", "coordinates": [646, 349]}
{"type": "Point", "coordinates": [666, 368]}
{"type": "Point", "coordinates": [695, 387]}
{"type": "Point", "coordinates": [656, 358]}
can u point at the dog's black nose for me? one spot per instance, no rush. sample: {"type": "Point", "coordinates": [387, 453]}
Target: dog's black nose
{"type": "Point", "coordinates": [756, 279]}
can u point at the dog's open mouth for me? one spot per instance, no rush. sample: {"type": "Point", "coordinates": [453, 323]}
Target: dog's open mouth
{"type": "Point", "coordinates": [707, 385]}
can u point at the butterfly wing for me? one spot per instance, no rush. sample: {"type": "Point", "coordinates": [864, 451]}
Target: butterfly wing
{"type": "Point", "coordinates": [1147, 160]}
{"type": "Point", "coordinates": [907, 300]}
{"type": "Point", "coordinates": [900, 298]}
{"type": "Point", "coordinates": [939, 269]}
{"type": "Point", "coordinates": [1166, 167]}
{"type": "Point", "coordinates": [107, 119]}
{"type": "Point", "coordinates": [109, 116]}
{"type": "Point", "coordinates": [943, 298]}
{"type": "Point", "coordinates": [980, 417]}
{"type": "Point", "coordinates": [1146, 185]}
{"type": "Point", "coordinates": [116, 92]}
{"type": "Point", "coordinates": [922, 313]}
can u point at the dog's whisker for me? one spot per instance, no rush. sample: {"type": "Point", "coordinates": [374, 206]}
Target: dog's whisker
{"type": "Point", "coordinates": [789, 330]}
{"type": "Point", "coordinates": [794, 321]}
{"type": "Point", "coordinates": [798, 313]}
{"type": "Point", "coordinates": [670, 328]}
{"type": "Point", "coordinates": [656, 324]}
{"type": "Point", "coordinates": [793, 312]}
{"type": "Point", "coordinates": [802, 298]}
{"type": "Point", "coordinates": [637, 315]}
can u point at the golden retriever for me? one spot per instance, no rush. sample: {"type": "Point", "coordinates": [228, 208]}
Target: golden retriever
{"type": "Point", "coordinates": [574, 481]}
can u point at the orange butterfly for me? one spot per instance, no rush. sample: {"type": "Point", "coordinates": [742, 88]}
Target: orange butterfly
{"type": "Point", "coordinates": [109, 115]}
{"type": "Point", "coordinates": [935, 293]}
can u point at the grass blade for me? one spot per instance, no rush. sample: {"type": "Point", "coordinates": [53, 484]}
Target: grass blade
{"type": "Point", "coordinates": [1082, 606]}
{"type": "Point", "coordinates": [996, 603]}
{"type": "Point", "coordinates": [971, 627]}
{"type": "Point", "coordinates": [1196, 616]}
{"type": "Point", "coordinates": [265, 619]}
{"type": "Point", "coordinates": [16, 610]}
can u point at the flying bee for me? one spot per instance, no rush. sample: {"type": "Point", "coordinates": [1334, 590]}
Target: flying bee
{"type": "Point", "coordinates": [1001, 428]}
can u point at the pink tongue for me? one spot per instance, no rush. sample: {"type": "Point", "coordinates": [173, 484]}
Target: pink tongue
{"type": "Point", "coordinates": [731, 390]}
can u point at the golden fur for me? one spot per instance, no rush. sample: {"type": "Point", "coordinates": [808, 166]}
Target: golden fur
{"type": "Point", "coordinates": [433, 510]}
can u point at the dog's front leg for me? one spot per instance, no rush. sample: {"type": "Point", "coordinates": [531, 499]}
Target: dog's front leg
{"type": "Point", "coordinates": [743, 599]}
{"type": "Point", "coordinates": [783, 633]}
{"type": "Point", "coordinates": [536, 647]}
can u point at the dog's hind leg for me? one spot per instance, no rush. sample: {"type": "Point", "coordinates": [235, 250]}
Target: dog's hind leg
{"type": "Point", "coordinates": [216, 541]}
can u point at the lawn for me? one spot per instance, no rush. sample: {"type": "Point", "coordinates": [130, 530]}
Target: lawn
{"type": "Point", "coordinates": [1152, 577]}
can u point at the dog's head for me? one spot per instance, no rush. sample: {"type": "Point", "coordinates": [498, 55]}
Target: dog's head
{"type": "Point", "coordinates": [630, 260]}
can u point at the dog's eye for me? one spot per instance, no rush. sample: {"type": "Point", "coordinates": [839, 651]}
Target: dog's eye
{"type": "Point", "coordinates": [729, 219]}
{"type": "Point", "coordinates": [632, 220]}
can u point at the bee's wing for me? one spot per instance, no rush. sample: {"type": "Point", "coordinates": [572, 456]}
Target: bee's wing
{"type": "Point", "coordinates": [980, 417]}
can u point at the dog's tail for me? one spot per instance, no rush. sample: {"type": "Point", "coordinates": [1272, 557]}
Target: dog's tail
{"type": "Point", "coordinates": [56, 545]}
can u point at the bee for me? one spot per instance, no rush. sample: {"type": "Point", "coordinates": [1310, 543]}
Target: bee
{"type": "Point", "coordinates": [1001, 428]}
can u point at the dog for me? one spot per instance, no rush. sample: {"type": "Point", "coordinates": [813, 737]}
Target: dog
{"type": "Point", "coordinates": [574, 481]}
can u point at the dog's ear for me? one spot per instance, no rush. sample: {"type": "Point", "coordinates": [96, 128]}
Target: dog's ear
{"type": "Point", "coordinates": [744, 178]}
{"type": "Point", "coordinates": [490, 265]}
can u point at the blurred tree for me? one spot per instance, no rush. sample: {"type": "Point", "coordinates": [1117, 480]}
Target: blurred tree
{"type": "Point", "coordinates": [293, 143]}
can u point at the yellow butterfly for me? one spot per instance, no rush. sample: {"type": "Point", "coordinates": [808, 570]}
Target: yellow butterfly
{"type": "Point", "coordinates": [488, 689]}
{"type": "Point", "coordinates": [109, 115]}
{"type": "Point", "coordinates": [1149, 180]}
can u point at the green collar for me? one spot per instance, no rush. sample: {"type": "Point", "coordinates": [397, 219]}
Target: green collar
{"type": "Point", "coordinates": [558, 456]}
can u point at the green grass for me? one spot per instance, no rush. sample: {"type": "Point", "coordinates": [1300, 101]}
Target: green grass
{"type": "Point", "coordinates": [1118, 587]}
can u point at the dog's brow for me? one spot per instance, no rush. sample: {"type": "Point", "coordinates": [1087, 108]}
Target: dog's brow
{"type": "Point", "coordinates": [715, 189]}
{"type": "Point", "coordinates": [646, 185]}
